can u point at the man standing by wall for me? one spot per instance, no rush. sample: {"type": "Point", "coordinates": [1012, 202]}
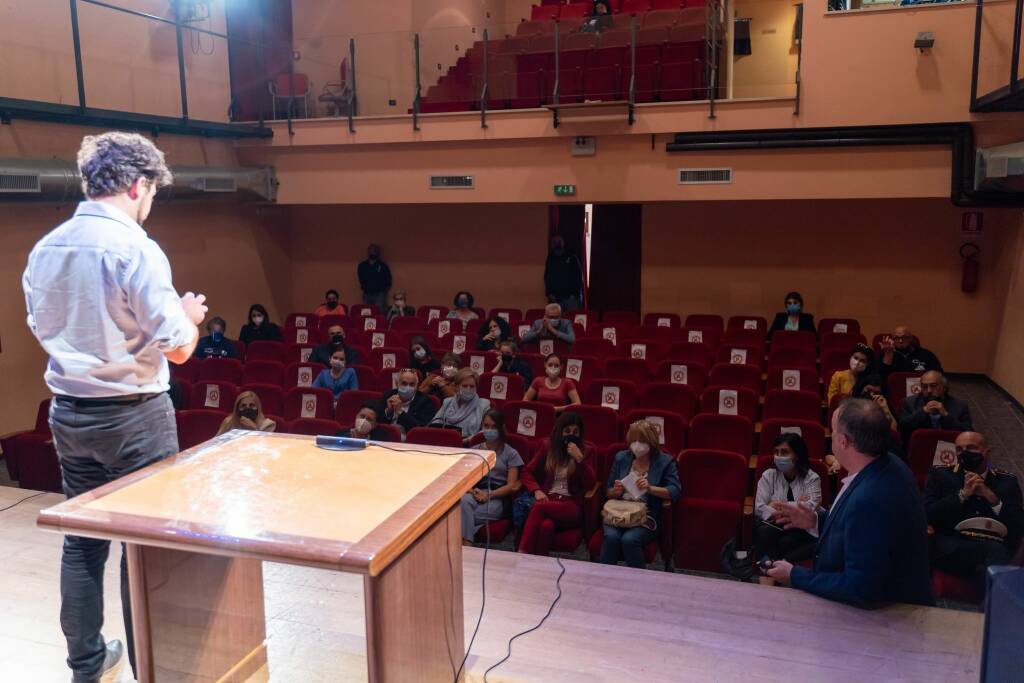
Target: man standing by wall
{"type": "Point", "coordinates": [563, 276]}
{"type": "Point", "coordinates": [101, 303]}
{"type": "Point", "coordinates": [374, 278]}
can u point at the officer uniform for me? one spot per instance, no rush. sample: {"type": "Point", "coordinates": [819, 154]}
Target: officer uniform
{"type": "Point", "coordinates": [968, 554]}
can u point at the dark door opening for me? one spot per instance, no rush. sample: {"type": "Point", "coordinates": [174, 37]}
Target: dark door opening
{"type": "Point", "coordinates": [615, 257]}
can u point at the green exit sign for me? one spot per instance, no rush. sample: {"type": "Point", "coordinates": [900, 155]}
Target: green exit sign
{"type": "Point", "coordinates": [565, 190]}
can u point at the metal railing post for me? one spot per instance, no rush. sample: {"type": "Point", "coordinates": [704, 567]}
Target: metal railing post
{"type": "Point", "coordinates": [978, 12]}
{"type": "Point", "coordinates": [181, 61]}
{"type": "Point", "coordinates": [632, 67]}
{"type": "Point", "coordinates": [77, 42]}
{"type": "Point", "coordinates": [558, 63]}
{"type": "Point", "coordinates": [799, 56]}
{"type": "Point", "coordinates": [352, 98]}
{"type": "Point", "coordinates": [484, 93]}
{"type": "Point", "coordinates": [416, 97]}
{"type": "Point", "coordinates": [1015, 46]}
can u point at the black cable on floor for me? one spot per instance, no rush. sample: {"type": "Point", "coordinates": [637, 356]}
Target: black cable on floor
{"type": "Point", "coordinates": [35, 495]}
{"type": "Point", "coordinates": [508, 655]}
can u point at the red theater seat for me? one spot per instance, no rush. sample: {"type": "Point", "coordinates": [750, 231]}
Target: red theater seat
{"type": "Point", "coordinates": [682, 372]}
{"type": "Point", "coordinates": [263, 372]}
{"type": "Point", "coordinates": [794, 405]}
{"type": "Point", "coordinates": [432, 436]}
{"type": "Point", "coordinates": [529, 419]}
{"type": "Point", "coordinates": [197, 426]}
{"type": "Point", "coordinates": [928, 445]}
{"type": "Point", "coordinates": [213, 395]}
{"type": "Point", "coordinates": [749, 322]}
{"type": "Point", "coordinates": [271, 397]}
{"type": "Point", "coordinates": [616, 394]}
{"type": "Point", "coordinates": [680, 399]}
{"type": "Point", "coordinates": [812, 433]}
{"type": "Point", "coordinates": [722, 432]}
{"type": "Point", "coordinates": [308, 402]}
{"type": "Point", "coordinates": [793, 379]}
{"type": "Point", "coordinates": [311, 426]}
{"type": "Point", "coordinates": [729, 401]}
{"type": "Point", "coordinates": [301, 374]}
{"type": "Point", "coordinates": [265, 350]}
{"type": "Point", "coordinates": [671, 426]}
{"type": "Point", "coordinates": [224, 369]}
{"type": "Point", "coordinates": [601, 425]}
{"type": "Point", "coordinates": [736, 377]}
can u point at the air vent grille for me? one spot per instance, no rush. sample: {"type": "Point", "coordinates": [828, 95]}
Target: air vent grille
{"type": "Point", "coordinates": [219, 185]}
{"type": "Point", "coordinates": [705, 176]}
{"type": "Point", "coordinates": [451, 182]}
{"type": "Point", "coordinates": [19, 182]}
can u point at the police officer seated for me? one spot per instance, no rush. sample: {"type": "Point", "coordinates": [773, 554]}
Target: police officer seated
{"type": "Point", "coordinates": [961, 501]}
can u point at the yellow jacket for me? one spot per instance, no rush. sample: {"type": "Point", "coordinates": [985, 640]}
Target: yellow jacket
{"type": "Point", "coordinates": [841, 384]}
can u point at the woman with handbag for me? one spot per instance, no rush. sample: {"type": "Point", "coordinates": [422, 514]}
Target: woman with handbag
{"type": "Point", "coordinates": [558, 479]}
{"type": "Point", "coordinates": [631, 522]}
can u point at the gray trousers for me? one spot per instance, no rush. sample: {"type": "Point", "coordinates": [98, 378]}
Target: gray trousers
{"type": "Point", "coordinates": [475, 515]}
{"type": "Point", "coordinates": [378, 298]}
{"type": "Point", "coordinates": [96, 445]}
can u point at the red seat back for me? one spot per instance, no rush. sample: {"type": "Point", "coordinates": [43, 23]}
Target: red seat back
{"type": "Point", "coordinates": [670, 425]}
{"type": "Point", "coordinates": [793, 405]}
{"type": "Point", "coordinates": [310, 426]}
{"type": "Point", "coordinates": [601, 424]}
{"type": "Point", "coordinates": [308, 402]}
{"type": "Point", "coordinates": [729, 401]}
{"type": "Point", "coordinates": [736, 376]}
{"type": "Point", "coordinates": [499, 387]}
{"type": "Point", "coordinates": [928, 446]}
{"type": "Point", "coordinates": [792, 357]}
{"type": "Point", "coordinates": [213, 395]}
{"type": "Point", "coordinates": [793, 379]}
{"type": "Point", "coordinates": [349, 404]}
{"type": "Point", "coordinates": [529, 419]}
{"type": "Point", "coordinates": [225, 369]}
{"type": "Point", "coordinates": [197, 426]}
{"type": "Point", "coordinates": [682, 372]}
{"type": "Point", "coordinates": [788, 339]}
{"type": "Point", "coordinates": [841, 342]}
{"type": "Point", "coordinates": [680, 399]}
{"type": "Point", "coordinates": [297, 320]}
{"type": "Point", "coordinates": [434, 436]}
{"type": "Point", "coordinates": [741, 354]}
{"type": "Point", "coordinates": [617, 394]}
{"type": "Point", "coordinates": [812, 432]}
{"type": "Point", "coordinates": [595, 347]}
{"type": "Point", "coordinates": [271, 397]}
{"type": "Point", "coordinates": [388, 357]}
{"type": "Point", "coordinates": [301, 374]}
{"type": "Point", "coordinates": [265, 350]}
{"type": "Point", "coordinates": [669, 320]}
{"type": "Point", "coordinates": [902, 385]}
{"type": "Point", "coordinates": [838, 326]}
{"type": "Point", "coordinates": [722, 432]}
{"type": "Point", "coordinates": [695, 320]}
{"type": "Point", "coordinates": [634, 370]}
{"type": "Point", "coordinates": [749, 322]}
{"type": "Point", "coordinates": [263, 372]}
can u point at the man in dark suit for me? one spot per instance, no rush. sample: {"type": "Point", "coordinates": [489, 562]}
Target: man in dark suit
{"type": "Point", "coordinates": [969, 489]}
{"type": "Point", "coordinates": [873, 544]}
{"type": "Point", "coordinates": [933, 408]}
{"type": "Point", "coordinates": [405, 406]}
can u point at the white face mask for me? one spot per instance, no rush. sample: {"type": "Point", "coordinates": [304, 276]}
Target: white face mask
{"type": "Point", "coordinates": [362, 425]}
{"type": "Point", "coordinates": [554, 372]}
{"type": "Point", "coordinates": [449, 371]}
{"type": "Point", "coordinates": [639, 448]}
{"type": "Point", "coordinates": [857, 366]}
{"type": "Point", "coordinates": [257, 320]}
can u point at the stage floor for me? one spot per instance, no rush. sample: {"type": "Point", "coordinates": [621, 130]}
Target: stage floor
{"type": "Point", "coordinates": [611, 624]}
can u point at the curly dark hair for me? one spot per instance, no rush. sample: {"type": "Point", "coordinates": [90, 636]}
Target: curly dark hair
{"type": "Point", "coordinates": [111, 162]}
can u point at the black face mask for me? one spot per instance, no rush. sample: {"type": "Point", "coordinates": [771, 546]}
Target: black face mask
{"type": "Point", "coordinates": [337, 339]}
{"type": "Point", "coordinates": [972, 461]}
{"type": "Point", "coordinates": [507, 358]}
{"type": "Point", "coordinates": [573, 439]}
{"type": "Point", "coordinates": [331, 305]}
{"type": "Point", "coordinates": [250, 413]}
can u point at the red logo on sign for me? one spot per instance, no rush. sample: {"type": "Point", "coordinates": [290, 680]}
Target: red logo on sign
{"type": "Point", "coordinates": [737, 359]}
{"type": "Point", "coordinates": [499, 387]}
{"type": "Point", "coordinates": [310, 406]}
{"type": "Point", "coordinates": [574, 371]}
{"type": "Point", "coordinates": [729, 402]}
{"type": "Point", "coordinates": [947, 457]}
{"type": "Point", "coordinates": [791, 381]}
{"type": "Point", "coordinates": [609, 398]}
{"type": "Point", "coordinates": [215, 396]}
{"type": "Point", "coordinates": [388, 363]}
{"type": "Point", "coordinates": [915, 389]}
{"type": "Point", "coordinates": [677, 377]}
{"type": "Point", "coordinates": [638, 353]}
{"type": "Point", "coordinates": [528, 422]}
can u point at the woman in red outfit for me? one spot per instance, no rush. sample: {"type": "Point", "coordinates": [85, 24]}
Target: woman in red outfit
{"type": "Point", "coordinates": [561, 392]}
{"type": "Point", "coordinates": [558, 479]}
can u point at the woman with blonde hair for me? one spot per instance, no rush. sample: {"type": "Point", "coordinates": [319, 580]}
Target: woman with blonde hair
{"type": "Point", "coordinates": [653, 475]}
{"type": "Point", "coordinates": [465, 410]}
{"type": "Point", "coordinates": [248, 414]}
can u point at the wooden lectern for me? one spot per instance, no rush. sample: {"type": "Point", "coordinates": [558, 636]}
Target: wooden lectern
{"type": "Point", "coordinates": [198, 526]}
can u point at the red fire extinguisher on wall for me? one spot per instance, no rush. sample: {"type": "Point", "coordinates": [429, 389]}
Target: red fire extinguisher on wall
{"type": "Point", "coordinates": [969, 253]}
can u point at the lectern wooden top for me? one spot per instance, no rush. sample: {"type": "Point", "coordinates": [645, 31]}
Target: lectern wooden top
{"type": "Point", "coordinates": [279, 498]}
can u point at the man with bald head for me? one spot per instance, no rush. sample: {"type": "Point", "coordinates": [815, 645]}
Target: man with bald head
{"type": "Point", "coordinates": [971, 489]}
{"type": "Point", "coordinates": [551, 326]}
{"type": "Point", "coordinates": [901, 354]}
{"type": "Point", "coordinates": [933, 408]}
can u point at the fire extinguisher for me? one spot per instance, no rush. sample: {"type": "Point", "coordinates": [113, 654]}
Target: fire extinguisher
{"type": "Point", "coordinates": [969, 253]}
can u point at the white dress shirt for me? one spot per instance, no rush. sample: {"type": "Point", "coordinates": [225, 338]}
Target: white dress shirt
{"type": "Point", "coordinates": [772, 488]}
{"type": "Point", "coordinates": [101, 303]}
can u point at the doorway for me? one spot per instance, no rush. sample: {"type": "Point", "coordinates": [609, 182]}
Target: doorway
{"type": "Point", "coordinates": [615, 257]}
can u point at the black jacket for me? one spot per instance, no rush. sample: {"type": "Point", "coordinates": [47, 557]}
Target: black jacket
{"type": "Point", "coordinates": [806, 323]}
{"type": "Point", "coordinates": [945, 511]}
{"type": "Point", "coordinates": [915, 359]}
{"type": "Point", "coordinates": [374, 278]}
{"type": "Point", "coordinates": [426, 367]}
{"type": "Point", "coordinates": [563, 276]}
{"type": "Point", "coordinates": [265, 332]}
{"type": "Point", "coordinates": [517, 367]}
{"type": "Point", "coordinates": [207, 348]}
{"type": "Point", "coordinates": [421, 411]}
{"type": "Point", "coordinates": [912, 416]}
{"type": "Point", "coordinates": [376, 434]}
{"type": "Point", "coordinates": [322, 354]}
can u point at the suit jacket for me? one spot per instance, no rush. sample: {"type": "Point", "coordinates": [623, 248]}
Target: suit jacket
{"type": "Point", "coordinates": [912, 416]}
{"type": "Point", "coordinates": [945, 511]}
{"type": "Point", "coordinates": [873, 544]}
{"type": "Point", "coordinates": [806, 323]}
{"type": "Point", "coordinates": [421, 409]}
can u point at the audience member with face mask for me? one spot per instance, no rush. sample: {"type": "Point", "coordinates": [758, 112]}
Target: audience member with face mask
{"type": "Point", "coordinates": [657, 478]}
{"type": "Point", "coordinates": [491, 498]}
{"type": "Point", "coordinates": [793, 319]}
{"type": "Point", "coordinates": [400, 308]}
{"type": "Point", "coordinates": [441, 382]}
{"type": "Point", "coordinates": [215, 344]}
{"type": "Point", "coordinates": [405, 406]}
{"type": "Point", "coordinates": [493, 332]}
{"type": "Point", "coordinates": [843, 381]}
{"type": "Point", "coordinates": [338, 377]}
{"type": "Point", "coordinates": [551, 326]}
{"type": "Point", "coordinates": [509, 362]}
{"type": "Point", "coordinates": [552, 388]}
{"type": "Point", "coordinates": [259, 327]}
{"type": "Point", "coordinates": [335, 342]}
{"type": "Point", "coordinates": [960, 499]}
{"type": "Point", "coordinates": [367, 424]}
{"type": "Point", "coordinates": [462, 308]}
{"type": "Point", "coordinates": [421, 358]}
{"type": "Point", "coordinates": [331, 305]}
{"type": "Point", "coordinates": [465, 410]}
{"type": "Point", "coordinates": [558, 477]}
{"type": "Point", "coordinates": [247, 414]}
{"type": "Point", "coordinates": [933, 408]}
{"type": "Point", "coordinates": [789, 479]}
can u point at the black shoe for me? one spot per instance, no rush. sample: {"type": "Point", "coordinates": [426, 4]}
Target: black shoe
{"type": "Point", "coordinates": [115, 650]}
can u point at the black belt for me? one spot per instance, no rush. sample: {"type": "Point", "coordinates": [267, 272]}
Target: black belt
{"type": "Point", "coordinates": [126, 400]}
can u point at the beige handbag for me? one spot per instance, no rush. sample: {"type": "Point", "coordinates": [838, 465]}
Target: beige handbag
{"type": "Point", "coordinates": [624, 513]}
